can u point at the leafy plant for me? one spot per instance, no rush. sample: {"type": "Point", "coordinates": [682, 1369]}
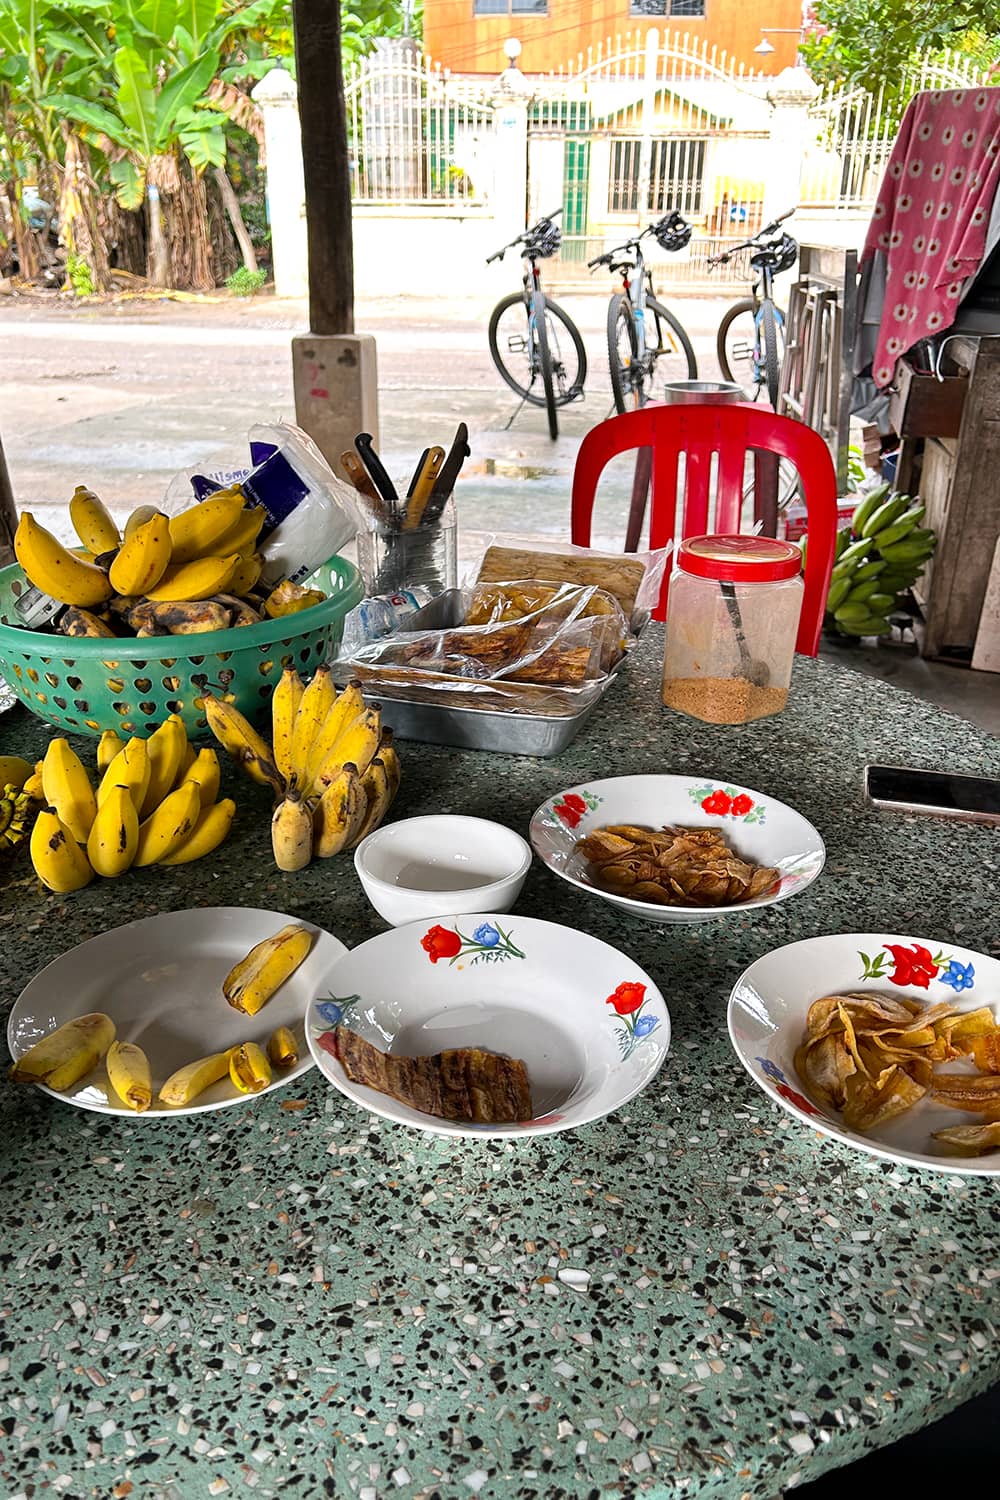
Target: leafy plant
{"type": "Point", "coordinates": [244, 282]}
{"type": "Point", "coordinates": [80, 276]}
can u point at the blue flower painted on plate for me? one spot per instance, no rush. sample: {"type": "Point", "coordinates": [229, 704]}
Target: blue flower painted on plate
{"type": "Point", "coordinates": [958, 976]}
{"type": "Point", "coordinates": [644, 1026]}
{"type": "Point", "coordinates": [335, 1008]}
{"type": "Point", "coordinates": [771, 1070]}
{"type": "Point", "coordinates": [487, 935]}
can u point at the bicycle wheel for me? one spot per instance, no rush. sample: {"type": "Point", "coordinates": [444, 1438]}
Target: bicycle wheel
{"type": "Point", "coordinates": [508, 332]}
{"type": "Point", "coordinates": [736, 344]}
{"type": "Point", "coordinates": [569, 358]}
{"type": "Point", "coordinates": [626, 373]}
{"type": "Point", "coordinates": [769, 349]}
{"type": "Point", "coordinates": [673, 357]}
{"type": "Point", "coordinates": [540, 333]}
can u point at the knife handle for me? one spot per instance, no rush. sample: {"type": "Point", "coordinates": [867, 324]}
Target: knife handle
{"type": "Point", "coordinates": [450, 471]}
{"type": "Point", "coordinates": [429, 469]}
{"type": "Point", "coordinates": [377, 472]}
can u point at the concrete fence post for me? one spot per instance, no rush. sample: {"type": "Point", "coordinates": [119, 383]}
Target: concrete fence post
{"type": "Point", "coordinates": [509, 198]}
{"type": "Point", "coordinates": [286, 195]}
{"type": "Point", "coordinates": [790, 96]}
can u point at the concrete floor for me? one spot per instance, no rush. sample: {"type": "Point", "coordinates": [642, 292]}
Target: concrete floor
{"type": "Point", "coordinates": [121, 396]}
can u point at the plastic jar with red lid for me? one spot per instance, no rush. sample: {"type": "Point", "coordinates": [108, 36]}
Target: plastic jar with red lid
{"type": "Point", "coordinates": [732, 617]}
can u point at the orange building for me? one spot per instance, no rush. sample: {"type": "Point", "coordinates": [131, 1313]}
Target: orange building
{"type": "Point", "coordinates": [468, 36]}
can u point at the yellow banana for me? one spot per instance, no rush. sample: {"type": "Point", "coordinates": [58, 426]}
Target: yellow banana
{"type": "Point", "coordinates": [242, 535]}
{"type": "Point", "coordinates": [14, 771]}
{"type": "Point", "coordinates": [108, 747]}
{"type": "Point", "coordinates": [204, 772]}
{"type": "Point", "coordinates": [208, 833]}
{"type": "Point", "coordinates": [339, 813]}
{"type": "Point", "coordinates": [290, 599]}
{"type": "Point", "coordinates": [248, 748]}
{"type": "Point", "coordinates": [33, 784]}
{"type": "Point", "coordinates": [284, 707]}
{"type": "Point", "coordinates": [240, 612]}
{"type": "Point", "coordinates": [246, 576]}
{"type": "Point", "coordinates": [67, 788]}
{"type": "Point", "coordinates": [196, 532]}
{"type": "Point", "coordinates": [59, 861]}
{"type": "Point", "coordinates": [55, 570]}
{"type": "Point", "coordinates": [92, 523]}
{"type": "Point", "coordinates": [169, 825]}
{"type": "Point", "coordinates": [67, 1054]}
{"type": "Point", "coordinates": [81, 624]}
{"type": "Point", "coordinates": [349, 704]}
{"type": "Point", "coordinates": [317, 700]}
{"type": "Point", "coordinates": [292, 832]}
{"type": "Point", "coordinates": [165, 748]}
{"type": "Point", "coordinates": [195, 580]}
{"type": "Point", "coordinates": [143, 558]}
{"type": "Point", "coordinates": [190, 756]}
{"type": "Point", "coordinates": [282, 1048]}
{"type": "Point", "coordinates": [128, 1070]}
{"type": "Point", "coordinates": [182, 617]}
{"type": "Point", "coordinates": [390, 759]}
{"type": "Point", "coordinates": [139, 517]}
{"type": "Point", "coordinates": [130, 768]}
{"type": "Point", "coordinates": [114, 835]}
{"type": "Point", "coordinates": [194, 1078]}
{"type": "Point", "coordinates": [357, 744]}
{"type": "Point", "coordinates": [250, 984]}
{"type": "Point", "coordinates": [379, 797]}
{"type": "Point", "coordinates": [249, 1068]}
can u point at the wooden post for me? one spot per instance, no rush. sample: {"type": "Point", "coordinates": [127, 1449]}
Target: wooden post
{"type": "Point", "coordinates": [8, 515]}
{"type": "Point", "coordinates": [326, 165]}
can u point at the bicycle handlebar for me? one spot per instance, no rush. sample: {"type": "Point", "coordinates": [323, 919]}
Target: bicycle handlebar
{"type": "Point", "coordinates": [525, 237]}
{"type": "Point", "coordinates": [727, 255]}
{"type": "Point", "coordinates": [673, 218]}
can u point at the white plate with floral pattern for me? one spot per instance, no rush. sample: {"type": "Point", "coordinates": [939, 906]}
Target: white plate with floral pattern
{"type": "Point", "coordinates": [590, 1026]}
{"type": "Point", "coordinates": [758, 828]}
{"type": "Point", "coordinates": [767, 1022]}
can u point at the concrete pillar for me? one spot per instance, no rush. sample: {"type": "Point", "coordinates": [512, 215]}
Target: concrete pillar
{"type": "Point", "coordinates": [336, 390]}
{"type": "Point", "coordinates": [509, 198]}
{"type": "Point", "coordinates": [790, 97]}
{"type": "Point", "coordinates": [286, 195]}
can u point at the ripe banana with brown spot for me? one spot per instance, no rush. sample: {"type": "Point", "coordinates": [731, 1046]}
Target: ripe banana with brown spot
{"type": "Point", "coordinates": [242, 535]}
{"type": "Point", "coordinates": [197, 532]}
{"type": "Point", "coordinates": [357, 744]}
{"type": "Point", "coordinates": [181, 618]}
{"type": "Point", "coordinates": [292, 831]}
{"type": "Point", "coordinates": [317, 700]}
{"type": "Point", "coordinates": [59, 862]}
{"type": "Point", "coordinates": [208, 833]}
{"type": "Point", "coordinates": [129, 1075]}
{"type": "Point", "coordinates": [249, 1068]}
{"type": "Point", "coordinates": [108, 747]}
{"type": "Point", "coordinates": [285, 702]}
{"type": "Point", "coordinates": [169, 825]}
{"type": "Point", "coordinates": [92, 522]}
{"type": "Point", "coordinates": [248, 748]}
{"type": "Point", "coordinates": [339, 813]}
{"type": "Point", "coordinates": [378, 794]}
{"type": "Point", "coordinates": [184, 1086]}
{"type": "Point", "coordinates": [81, 624]}
{"type": "Point", "coordinates": [143, 558]}
{"type": "Point", "coordinates": [390, 759]}
{"type": "Point", "coordinates": [130, 768]}
{"type": "Point", "coordinates": [67, 1054]}
{"type": "Point", "coordinates": [250, 983]}
{"type": "Point", "coordinates": [67, 788]}
{"type": "Point", "coordinates": [348, 705]}
{"type": "Point", "coordinates": [139, 517]}
{"type": "Point", "coordinates": [114, 836]}
{"type": "Point", "coordinates": [166, 748]}
{"type": "Point", "coordinates": [204, 771]}
{"type": "Point", "coordinates": [56, 570]}
{"type": "Point", "coordinates": [282, 1048]}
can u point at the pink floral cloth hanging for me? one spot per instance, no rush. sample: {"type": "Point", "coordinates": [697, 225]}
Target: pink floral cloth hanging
{"type": "Point", "coordinates": [932, 215]}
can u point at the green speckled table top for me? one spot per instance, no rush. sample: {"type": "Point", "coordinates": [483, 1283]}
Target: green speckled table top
{"type": "Point", "coordinates": [313, 1301]}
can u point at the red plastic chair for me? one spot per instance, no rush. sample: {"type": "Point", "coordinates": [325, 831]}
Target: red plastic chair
{"type": "Point", "coordinates": [731, 432]}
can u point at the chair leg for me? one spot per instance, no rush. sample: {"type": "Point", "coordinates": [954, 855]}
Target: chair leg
{"type": "Point", "coordinates": [765, 490]}
{"type": "Point", "coordinates": [640, 497]}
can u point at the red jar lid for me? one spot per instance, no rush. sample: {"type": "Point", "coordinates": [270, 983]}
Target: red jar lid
{"type": "Point", "coordinates": [740, 559]}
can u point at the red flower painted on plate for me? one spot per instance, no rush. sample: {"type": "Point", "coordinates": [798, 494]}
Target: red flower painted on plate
{"type": "Point", "coordinates": [718, 802]}
{"type": "Point", "coordinates": [741, 805]}
{"type": "Point", "coordinates": [914, 965]}
{"type": "Point", "coordinates": [627, 998]}
{"type": "Point", "coordinates": [440, 942]}
{"type": "Point", "coordinates": [569, 814]}
{"type": "Point", "coordinates": [572, 799]}
{"type": "Point", "coordinates": [797, 1099]}
{"type": "Point", "coordinates": [328, 1041]}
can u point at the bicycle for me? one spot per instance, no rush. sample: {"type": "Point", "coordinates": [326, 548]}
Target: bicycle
{"type": "Point", "coordinates": [632, 356]}
{"type": "Point", "coordinates": [535, 331]}
{"type": "Point", "coordinates": [751, 337]}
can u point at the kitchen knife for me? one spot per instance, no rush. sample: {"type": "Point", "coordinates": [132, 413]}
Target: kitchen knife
{"type": "Point", "coordinates": [376, 470]}
{"type": "Point", "coordinates": [417, 472]}
{"type": "Point", "coordinates": [445, 482]}
{"type": "Point", "coordinates": [423, 485]}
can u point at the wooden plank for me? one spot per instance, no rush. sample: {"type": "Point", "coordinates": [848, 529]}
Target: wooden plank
{"type": "Point", "coordinates": [326, 166]}
{"type": "Point", "coordinates": [986, 657]}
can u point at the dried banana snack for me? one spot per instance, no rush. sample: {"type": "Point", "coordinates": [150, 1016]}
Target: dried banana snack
{"type": "Point", "coordinates": [673, 866]}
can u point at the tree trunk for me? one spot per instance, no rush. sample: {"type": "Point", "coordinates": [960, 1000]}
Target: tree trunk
{"type": "Point", "coordinates": [28, 265]}
{"type": "Point", "coordinates": [78, 213]}
{"type": "Point", "coordinates": [185, 219]}
{"type": "Point", "coordinates": [8, 514]}
{"type": "Point", "coordinates": [326, 166]}
{"type": "Point", "coordinates": [159, 255]}
{"type": "Point", "coordinates": [232, 206]}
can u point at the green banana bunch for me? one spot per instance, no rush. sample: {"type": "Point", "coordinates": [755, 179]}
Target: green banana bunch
{"type": "Point", "coordinates": [878, 557]}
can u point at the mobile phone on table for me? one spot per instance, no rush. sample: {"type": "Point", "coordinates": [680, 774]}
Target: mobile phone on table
{"type": "Point", "coordinates": [971, 799]}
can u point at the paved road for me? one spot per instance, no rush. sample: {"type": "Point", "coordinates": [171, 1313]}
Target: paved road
{"type": "Point", "coordinates": [122, 397]}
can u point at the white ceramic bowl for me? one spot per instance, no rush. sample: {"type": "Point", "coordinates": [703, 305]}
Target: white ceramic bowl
{"type": "Point", "coordinates": [590, 1026]}
{"type": "Point", "coordinates": [767, 1022]}
{"type": "Point", "coordinates": [758, 828]}
{"type": "Point", "coordinates": [420, 867]}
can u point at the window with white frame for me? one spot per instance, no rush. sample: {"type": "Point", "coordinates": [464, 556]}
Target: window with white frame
{"type": "Point", "coordinates": [680, 9]}
{"type": "Point", "coordinates": [676, 176]}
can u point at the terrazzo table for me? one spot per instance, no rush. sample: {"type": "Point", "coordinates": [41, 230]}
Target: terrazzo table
{"type": "Point", "coordinates": [310, 1301]}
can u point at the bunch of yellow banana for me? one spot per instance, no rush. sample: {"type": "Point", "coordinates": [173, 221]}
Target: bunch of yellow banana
{"type": "Point", "coordinates": [154, 801]}
{"type": "Point", "coordinates": [333, 769]}
{"type": "Point", "coordinates": [18, 805]}
{"type": "Point", "coordinates": [162, 575]}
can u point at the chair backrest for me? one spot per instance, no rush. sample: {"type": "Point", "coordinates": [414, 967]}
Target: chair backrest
{"type": "Point", "coordinates": [730, 432]}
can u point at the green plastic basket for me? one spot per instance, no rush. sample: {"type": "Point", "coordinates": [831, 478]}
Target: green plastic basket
{"type": "Point", "coordinates": [85, 686]}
